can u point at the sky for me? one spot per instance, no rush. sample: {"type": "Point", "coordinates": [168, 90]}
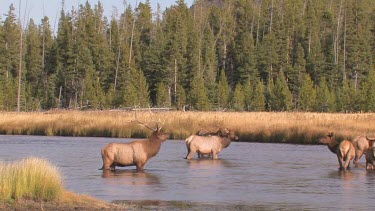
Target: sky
{"type": "Point", "coordinates": [34, 8]}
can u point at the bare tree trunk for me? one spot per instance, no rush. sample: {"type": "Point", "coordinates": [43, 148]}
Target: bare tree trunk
{"type": "Point", "coordinates": [131, 39]}
{"type": "Point", "coordinates": [257, 40]}
{"type": "Point", "coordinates": [20, 62]}
{"type": "Point", "coordinates": [271, 17]}
{"type": "Point", "coordinates": [59, 100]}
{"type": "Point", "coordinates": [337, 35]}
{"type": "Point", "coordinates": [175, 80]}
{"type": "Point", "coordinates": [344, 65]}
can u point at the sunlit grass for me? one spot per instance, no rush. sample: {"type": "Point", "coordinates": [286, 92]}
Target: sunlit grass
{"type": "Point", "coordinates": [30, 178]}
{"type": "Point", "coordinates": [286, 127]}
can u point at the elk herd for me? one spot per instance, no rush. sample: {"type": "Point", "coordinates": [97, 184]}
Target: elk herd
{"type": "Point", "coordinates": [347, 151]}
{"type": "Point", "coordinates": [211, 143]}
{"type": "Point", "coordinates": [137, 153]}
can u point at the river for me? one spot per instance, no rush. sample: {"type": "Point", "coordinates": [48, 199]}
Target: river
{"type": "Point", "coordinates": [252, 175]}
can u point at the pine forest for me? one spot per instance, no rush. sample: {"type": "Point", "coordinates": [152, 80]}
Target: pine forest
{"type": "Point", "coordinates": [235, 55]}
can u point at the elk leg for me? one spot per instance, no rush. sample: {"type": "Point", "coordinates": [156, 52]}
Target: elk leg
{"type": "Point", "coordinates": [140, 166]}
{"type": "Point", "coordinates": [214, 155]}
{"type": "Point", "coordinates": [347, 160]}
{"type": "Point", "coordinates": [340, 162]}
{"type": "Point", "coordinates": [190, 154]}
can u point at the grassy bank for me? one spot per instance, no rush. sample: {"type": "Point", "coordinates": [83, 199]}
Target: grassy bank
{"type": "Point", "coordinates": [302, 128]}
{"type": "Point", "coordinates": [36, 184]}
{"type": "Point", "coordinates": [30, 178]}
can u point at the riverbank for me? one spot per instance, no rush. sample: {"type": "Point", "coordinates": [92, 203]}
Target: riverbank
{"type": "Point", "coordinates": [265, 127]}
{"type": "Point", "coordinates": [36, 184]}
{"type": "Point", "coordinates": [68, 201]}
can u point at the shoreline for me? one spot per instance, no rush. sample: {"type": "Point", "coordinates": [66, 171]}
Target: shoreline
{"type": "Point", "coordinates": [262, 127]}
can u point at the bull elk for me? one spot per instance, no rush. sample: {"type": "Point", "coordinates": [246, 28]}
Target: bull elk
{"type": "Point", "coordinates": [344, 150]}
{"type": "Point", "coordinates": [208, 144]}
{"type": "Point", "coordinates": [135, 153]}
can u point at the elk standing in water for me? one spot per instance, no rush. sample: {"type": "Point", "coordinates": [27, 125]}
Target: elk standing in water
{"type": "Point", "coordinates": [208, 144]}
{"type": "Point", "coordinates": [135, 153]}
{"type": "Point", "coordinates": [370, 154]}
{"type": "Point", "coordinates": [361, 145]}
{"type": "Point", "coordinates": [219, 132]}
{"type": "Point", "coordinates": [344, 150]}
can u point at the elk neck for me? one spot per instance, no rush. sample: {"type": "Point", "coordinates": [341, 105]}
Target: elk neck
{"type": "Point", "coordinates": [332, 145]}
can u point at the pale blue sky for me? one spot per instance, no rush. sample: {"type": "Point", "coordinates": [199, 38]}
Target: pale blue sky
{"type": "Point", "coordinates": [34, 8]}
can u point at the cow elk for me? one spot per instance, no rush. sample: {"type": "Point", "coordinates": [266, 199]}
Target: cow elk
{"type": "Point", "coordinates": [209, 144]}
{"type": "Point", "coordinates": [135, 153]}
{"type": "Point", "coordinates": [219, 132]}
{"type": "Point", "coordinates": [370, 154]}
{"type": "Point", "coordinates": [344, 150]}
{"type": "Point", "coordinates": [361, 145]}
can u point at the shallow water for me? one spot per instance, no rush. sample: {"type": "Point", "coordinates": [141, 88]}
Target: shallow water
{"type": "Point", "coordinates": [249, 175]}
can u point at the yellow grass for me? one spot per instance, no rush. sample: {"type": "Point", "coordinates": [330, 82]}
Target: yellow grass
{"type": "Point", "coordinates": [30, 178]}
{"type": "Point", "coordinates": [303, 128]}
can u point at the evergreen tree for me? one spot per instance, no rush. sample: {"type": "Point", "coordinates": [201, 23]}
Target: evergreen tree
{"type": "Point", "coordinates": [259, 99]}
{"type": "Point", "coordinates": [181, 99]}
{"type": "Point", "coordinates": [325, 101]}
{"type": "Point", "coordinates": [238, 98]}
{"type": "Point", "coordinates": [368, 93]}
{"type": "Point", "coordinates": [248, 94]}
{"type": "Point", "coordinates": [162, 98]}
{"type": "Point", "coordinates": [198, 94]}
{"type": "Point", "coordinates": [48, 64]}
{"type": "Point", "coordinates": [307, 97]}
{"type": "Point", "coordinates": [282, 100]}
{"type": "Point", "coordinates": [34, 74]}
{"type": "Point", "coordinates": [223, 91]}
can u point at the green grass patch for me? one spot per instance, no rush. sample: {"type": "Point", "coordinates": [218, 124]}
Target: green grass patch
{"type": "Point", "coordinates": [30, 178]}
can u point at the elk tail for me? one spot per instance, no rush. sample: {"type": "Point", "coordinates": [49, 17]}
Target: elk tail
{"type": "Point", "coordinates": [189, 139]}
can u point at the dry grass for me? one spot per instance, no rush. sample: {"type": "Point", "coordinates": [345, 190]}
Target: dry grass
{"type": "Point", "coordinates": [304, 128]}
{"type": "Point", "coordinates": [36, 184]}
{"type": "Point", "coordinates": [31, 178]}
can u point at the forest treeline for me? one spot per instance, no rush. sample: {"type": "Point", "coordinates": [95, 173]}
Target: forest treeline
{"type": "Point", "coordinates": [253, 55]}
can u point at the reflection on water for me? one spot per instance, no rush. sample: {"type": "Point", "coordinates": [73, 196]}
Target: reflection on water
{"type": "Point", "coordinates": [130, 177]}
{"type": "Point", "coordinates": [208, 163]}
{"type": "Point", "coordinates": [247, 175]}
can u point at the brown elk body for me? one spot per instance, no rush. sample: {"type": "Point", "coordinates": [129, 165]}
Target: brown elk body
{"type": "Point", "coordinates": [344, 150]}
{"type": "Point", "coordinates": [370, 154]}
{"type": "Point", "coordinates": [219, 132]}
{"type": "Point", "coordinates": [345, 153]}
{"type": "Point", "coordinates": [208, 144]}
{"type": "Point", "coordinates": [361, 145]}
{"type": "Point", "coordinates": [330, 141]}
{"type": "Point", "coordinates": [135, 153]}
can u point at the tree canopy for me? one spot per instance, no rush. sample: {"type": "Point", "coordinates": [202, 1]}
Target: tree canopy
{"type": "Point", "coordinates": [216, 55]}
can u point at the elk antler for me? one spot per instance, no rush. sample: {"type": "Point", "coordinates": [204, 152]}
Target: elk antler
{"type": "Point", "coordinates": [140, 123]}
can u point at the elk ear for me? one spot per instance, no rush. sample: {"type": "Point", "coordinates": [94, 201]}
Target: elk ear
{"type": "Point", "coordinates": [330, 134]}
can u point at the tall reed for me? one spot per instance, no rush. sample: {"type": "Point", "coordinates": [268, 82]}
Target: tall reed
{"type": "Point", "coordinates": [31, 178]}
{"type": "Point", "coordinates": [284, 127]}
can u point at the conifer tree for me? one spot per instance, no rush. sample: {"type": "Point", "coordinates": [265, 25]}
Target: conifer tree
{"type": "Point", "coordinates": [198, 94]}
{"type": "Point", "coordinates": [238, 98]}
{"type": "Point", "coordinates": [368, 93]}
{"type": "Point", "coordinates": [307, 96]}
{"type": "Point", "coordinates": [259, 99]}
{"type": "Point", "coordinates": [162, 97]}
{"type": "Point", "coordinates": [223, 91]}
{"type": "Point", "coordinates": [282, 100]}
{"type": "Point", "coordinates": [248, 94]}
{"type": "Point", "coordinates": [181, 98]}
{"type": "Point", "coordinates": [34, 74]}
{"type": "Point", "coordinates": [325, 101]}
